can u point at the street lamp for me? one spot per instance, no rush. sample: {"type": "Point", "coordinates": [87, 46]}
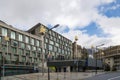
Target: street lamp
{"type": "Point", "coordinates": [43, 33]}
{"type": "Point", "coordinates": [102, 53]}
{"type": "Point", "coordinates": [96, 57]}
{"type": "Point", "coordinates": [48, 48]}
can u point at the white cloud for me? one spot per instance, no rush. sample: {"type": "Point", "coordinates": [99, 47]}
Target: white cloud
{"type": "Point", "coordinates": [111, 26]}
{"type": "Point", "coordinates": [87, 41]}
{"type": "Point", "coordinates": [70, 13]}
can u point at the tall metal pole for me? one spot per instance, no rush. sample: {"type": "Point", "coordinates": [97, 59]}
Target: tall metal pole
{"type": "Point", "coordinates": [96, 62]}
{"type": "Point", "coordinates": [48, 47]}
{"type": "Point", "coordinates": [96, 56]}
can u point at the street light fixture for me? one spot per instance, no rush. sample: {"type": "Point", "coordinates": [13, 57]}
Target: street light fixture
{"type": "Point", "coordinates": [43, 33]}
{"type": "Point", "coordinates": [48, 48]}
{"type": "Point", "coordinates": [96, 56]}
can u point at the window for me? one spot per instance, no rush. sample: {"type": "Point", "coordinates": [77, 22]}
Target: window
{"type": "Point", "coordinates": [51, 42]}
{"type": "Point", "coordinates": [15, 43]}
{"type": "Point", "coordinates": [4, 32]}
{"type": "Point", "coordinates": [34, 48]}
{"type": "Point", "coordinates": [53, 33]}
{"type": "Point", "coordinates": [50, 47]}
{"type": "Point", "coordinates": [22, 45]}
{"type": "Point", "coordinates": [46, 40]}
{"type": "Point", "coordinates": [12, 35]}
{"type": "Point", "coordinates": [30, 59]}
{"type": "Point", "coordinates": [23, 58]}
{"type": "Point", "coordinates": [16, 57]}
{"type": "Point", "coordinates": [0, 39]}
{"type": "Point", "coordinates": [9, 57]}
{"type": "Point", "coordinates": [59, 36]}
{"type": "Point", "coordinates": [27, 53]}
{"type": "Point", "coordinates": [21, 51]}
{"type": "Point", "coordinates": [32, 41]}
{"type": "Point", "coordinates": [55, 49]}
{"type": "Point", "coordinates": [0, 56]}
{"type": "Point", "coordinates": [28, 47]}
{"type": "Point", "coordinates": [59, 50]}
{"type": "Point", "coordinates": [14, 50]}
{"type": "Point", "coordinates": [37, 43]}
{"type": "Point", "coordinates": [39, 49]}
{"type": "Point", "coordinates": [35, 59]}
{"type": "Point", "coordinates": [56, 44]}
{"type": "Point", "coordinates": [34, 54]}
{"type": "Point", "coordinates": [20, 37]}
{"type": "Point", "coordinates": [27, 39]}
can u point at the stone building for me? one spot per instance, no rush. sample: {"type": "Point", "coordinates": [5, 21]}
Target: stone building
{"type": "Point", "coordinates": [111, 56]}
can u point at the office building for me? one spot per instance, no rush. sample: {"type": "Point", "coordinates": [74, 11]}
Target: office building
{"type": "Point", "coordinates": [21, 51]}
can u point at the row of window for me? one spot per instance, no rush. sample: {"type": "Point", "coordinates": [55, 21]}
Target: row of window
{"type": "Point", "coordinates": [20, 37]}
{"type": "Point", "coordinates": [53, 34]}
{"type": "Point", "coordinates": [16, 57]}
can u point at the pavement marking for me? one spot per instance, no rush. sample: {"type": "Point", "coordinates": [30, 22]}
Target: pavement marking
{"type": "Point", "coordinates": [114, 78]}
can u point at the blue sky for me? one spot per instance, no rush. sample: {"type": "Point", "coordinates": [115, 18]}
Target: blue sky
{"type": "Point", "coordinates": [111, 10]}
{"type": "Point", "coordinates": [94, 22]}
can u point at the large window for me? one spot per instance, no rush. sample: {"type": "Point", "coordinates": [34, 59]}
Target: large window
{"type": "Point", "coordinates": [39, 49]}
{"type": "Point", "coordinates": [9, 57]}
{"type": "Point", "coordinates": [34, 54]}
{"type": "Point", "coordinates": [23, 58]}
{"type": "Point", "coordinates": [21, 51]}
{"type": "Point", "coordinates": [51, 42]}
{"type": "Point", "coordinates": [32, 41]}
{"type": "Point", "coordinates": [14, 49]}
{"type": "Point", "coordinates": [38, 43]}
{"type": "Point", "coordinates": [20, 37]}
{"type": "Point", "coordinates": [12, 35]}
{"type": "Point", "coordinates": [50, 47]}
{"type": "Point", "coordinates": [4, 32]}
{"type": "Point", "coordinates": [22, 45]}
{"type": "Point", "coordinates": [27, 39]}
{"type": "Point", "coordinates": [28, 47]}
{"type": "Point", "coordinates": [0, 39]}
{"type": "Point", "coordinates": [56, 44]}
{"type": "Point", "coordinates": [55, 49]}
{"type": "Point", "coordinates": [46, 40]}
{"type": "Point", "coordinates": [0, 56]}
{"type": "Point", "coordinates": [34, 48]}
{"type": "Point", "coordinates": [15, 43]}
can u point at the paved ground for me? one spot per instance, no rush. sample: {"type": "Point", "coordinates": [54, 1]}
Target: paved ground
{"type": "Point", "coordinates": [106, 76]}
{"type": "Point", "coordinates": [54, 76]}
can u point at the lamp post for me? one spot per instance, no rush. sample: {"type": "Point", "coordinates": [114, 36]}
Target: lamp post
{"type": "Point", "coordinates": [102, 58]}
{"type": "Point", "coordinates": [6, 39]}
{"type": "Point", "coordinates": [43, 32]}
{"type": "Point", "coordinates": [48, 48]}
{"type": "Point", "coordinates": [96, 57]}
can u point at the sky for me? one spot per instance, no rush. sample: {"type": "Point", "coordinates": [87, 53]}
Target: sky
{"type": "Point", "coordinates": [95, 22]}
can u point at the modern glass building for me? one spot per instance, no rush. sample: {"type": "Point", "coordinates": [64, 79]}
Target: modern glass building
{"type": "Point", "coordinates": [21, 51]}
